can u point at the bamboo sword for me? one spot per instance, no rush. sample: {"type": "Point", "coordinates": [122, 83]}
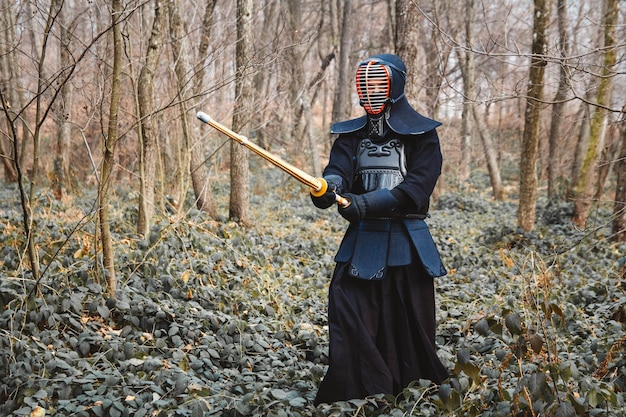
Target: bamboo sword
{"type": "Point", "coordinates": [318, 186]}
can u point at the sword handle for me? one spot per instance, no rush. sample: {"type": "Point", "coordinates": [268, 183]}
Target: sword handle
{"type": "Point", "coordinates": [342, 201]}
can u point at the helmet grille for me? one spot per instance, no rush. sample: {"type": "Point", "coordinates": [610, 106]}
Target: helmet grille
{"type": "Point", "coordinates": [373, 84]}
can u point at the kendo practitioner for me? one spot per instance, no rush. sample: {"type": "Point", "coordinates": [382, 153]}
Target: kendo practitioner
{"type": "Point", "coordinates": [381, 311]}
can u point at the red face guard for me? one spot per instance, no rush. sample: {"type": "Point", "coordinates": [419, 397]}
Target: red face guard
{"type": "Point", "coordinates": [373, 85]}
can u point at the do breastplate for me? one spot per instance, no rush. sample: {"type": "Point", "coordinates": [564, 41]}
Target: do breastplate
{"type": "Point", "coordinates": [380, 164]}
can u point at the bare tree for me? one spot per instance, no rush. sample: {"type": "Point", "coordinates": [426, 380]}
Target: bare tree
{"type": "Point", "coordinates": [110, 142]}
{"type": "Point", "coordinates": [437, 53]}
{"type": "Point", "coordinates": [294, 59]}
{"type": "Point", "coordinates": [431, 71]}
{"type": "Point", "coordinates": [555, 135]}
{"type": "Point", "coordinates": [608, 158]}
{"type": "Point", "coordinates": [619, 209]}
{"type": "Point", "coordinates": [197, 168]}
{"type": "Point", "coordinates": [301, 94]}
{"type": "Point", "coordinates": [10, 99]}
{"type": "Point", "coordinates": [582, 141]}
{"type": "Point", "coordinates": [587, 183]}
{"type": "Point", "coordinates": [307, 104]}
{"type": "Point", "coordinates": [490, 155]}
{"type": "Point", "coordinates": [61, 170]}
{"type": "Point", "coordinates": [468, 73]}
{"type": "Point", "coordinates": [12, 135]}
{"type": "Point", "coordinates": [40, 114]}
{"type": "Point", "coordinates": [239, 208]}
{"type": "Point", "coordinates": [528, 165]}
{"type": "Point", "coordinates": [407, 44]}
{"type": "Point", "coordinates": [341, 103]}
{"type": "Point", "coordinates": [145, 99]}
{"type": "Point", "coordinates": [182, 69]}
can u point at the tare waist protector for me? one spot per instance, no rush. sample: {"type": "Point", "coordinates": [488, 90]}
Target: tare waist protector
{"type": "Point", "coordinates": [371, 246]}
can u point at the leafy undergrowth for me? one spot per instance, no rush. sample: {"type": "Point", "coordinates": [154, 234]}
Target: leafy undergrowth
{"type": "Point", "coordinates": [214, 319]}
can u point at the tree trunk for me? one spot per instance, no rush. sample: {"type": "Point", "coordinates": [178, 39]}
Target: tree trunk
{"type": "Point", "coordinates": [407, 45]}
{"type": "Point", "coordinates": [10, 100]}
{"type": "Point", "coordinates": [587, 184]}
{"type": "Point", "coordinates": [530, 141]}
{"type": "Point", "coordinates": [29, 223]}
{"type": "Point", "coordinates": [182, 70]}
{"type": "Point", "coordinates": [61, 170]}
{"type": "Point", "coordinates": [341, 103]}
{"type": "Point", "coordinates": [582, 142]}
{"type": "Point", "coordinates": [24, 200]}
{"type": "Point", "coordinates": [295, 57]}
{"type": "Point", "coordinates": [467, 71]}
{"type": "Point", "coordinates": [308, 104]}
{"type": "Point", "coordinates": [607, 160]}
{"type": "Point", "coordinates": [110, 141]}
{"type": "Point", "coordinates": [6, 155]}
{"type": "Point", "coordinates": [145, 97]}
{"type": "Point", "coordinates": [40, 105]}
{"type": "Point", "coordinates": [407, 41]}
{"type": "Point", "coordinates": [36, 45]}
{"type": "Point", "coordinates": [239, 209]}
{"type": "Point", "coordinates": [437, 55]}
{"type": "Point", "coordinates": [619, 209]}
{"type": "Point", "coordinates": [313, 145]}
{"type": "Point", "coordinates": [197, 167]}
{"type": "Point", "coordinates": [391, 25]}
{"type": "Point", "coordinates": [491, 156]}
{"type": "Point", "coordinates": [554, 162]}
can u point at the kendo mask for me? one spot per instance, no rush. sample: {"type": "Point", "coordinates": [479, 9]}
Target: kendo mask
{"type": "Point", "coordinates": [380, 82]}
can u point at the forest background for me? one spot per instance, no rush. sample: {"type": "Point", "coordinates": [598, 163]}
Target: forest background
{"type": "Point", "coordinates": [102, 98]}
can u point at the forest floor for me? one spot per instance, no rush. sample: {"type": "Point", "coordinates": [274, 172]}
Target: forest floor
{"type": "Point", "coordinates": [211, 318]}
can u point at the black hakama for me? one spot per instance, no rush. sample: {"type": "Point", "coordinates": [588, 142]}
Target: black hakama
{"type": "Point", "coordinates": [382, 334]}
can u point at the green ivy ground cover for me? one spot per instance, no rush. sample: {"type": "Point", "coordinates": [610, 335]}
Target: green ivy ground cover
{"type": "Point", "coordinates": [215, 319]}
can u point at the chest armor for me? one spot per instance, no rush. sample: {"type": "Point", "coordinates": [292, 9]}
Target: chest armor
{"type": "Point", "coordinates": [380, 165]}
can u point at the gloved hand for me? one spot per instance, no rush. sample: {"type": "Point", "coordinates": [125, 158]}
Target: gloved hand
{"type": "Point", "coordinates": [372, 203]}
{"type": "Point", "coordinates": [328, 199]}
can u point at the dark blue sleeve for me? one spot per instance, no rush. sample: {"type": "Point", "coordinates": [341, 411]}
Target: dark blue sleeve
{"type": "Point", "coordinates": [342, 160]}
{"type": "Point", "coordinates": [424, 162]}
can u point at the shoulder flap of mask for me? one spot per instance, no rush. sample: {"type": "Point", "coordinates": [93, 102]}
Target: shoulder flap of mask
{"type": "Point", "coordinates": [349, 126]}
{"type": "Point", "coordinates": [404, 120]}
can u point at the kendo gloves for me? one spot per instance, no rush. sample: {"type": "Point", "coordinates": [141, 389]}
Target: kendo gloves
{"type": "Point", "coordinates": [368, 204]}
{"type": "Point", "coordinates": [335, 186]}
{"type": "Point", "coordinates": [373, 203]}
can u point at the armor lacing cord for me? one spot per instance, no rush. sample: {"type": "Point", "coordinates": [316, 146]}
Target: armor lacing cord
{"type": "Point", "coordinates": [377, 128]}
